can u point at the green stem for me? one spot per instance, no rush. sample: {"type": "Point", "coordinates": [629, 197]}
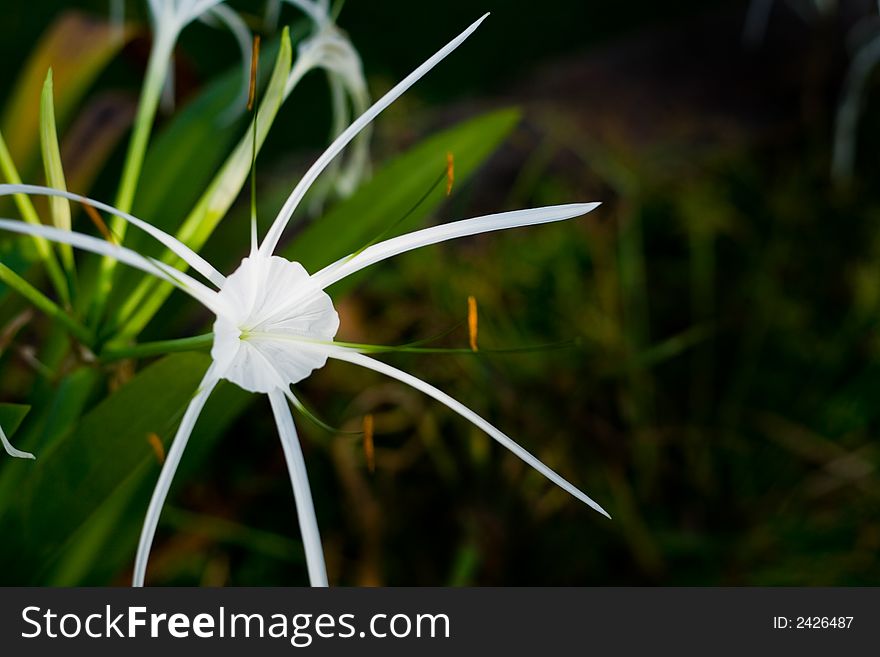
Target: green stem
{"type": "Point", "coordinates": [410, 348]}
{"type": "Point", "coordinates": [147, 349]}
{"type": "Point", "coordinates": [157, 68]}
{"type": "Point", "coordinates": [151, 93]}
{"type": "Point", "coordinates": [45, 304]}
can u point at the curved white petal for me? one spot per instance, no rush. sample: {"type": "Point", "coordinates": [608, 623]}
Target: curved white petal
{"type": "Point", "coordinates": [278, 226]}
{"type": "Point", "coordinates": [396, 245]}
{"type": "Point", "coordinates": [850, 107]}
{"type": "Point", "coordinates": [197, 8]}
{"type": "Point", "coordinates": [172, 460]}
{"type": "Point", "coordinates": [468, 414]}
{"type": "Point", "coordinates": [177, 247]}
{"type": "Point", "coordinates": [302, 494]}
{"type": "Point", "coordinates": [11, 450]}
{"type": "Point", "coordinates": [199, 291]}
{"type": "Point", "coordinates": [268, 300]}
{"type": "Point", "coordinates": [155, 7]}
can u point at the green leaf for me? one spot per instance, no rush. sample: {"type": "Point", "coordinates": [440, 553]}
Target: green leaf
{"type": "Point", "coordinates": [74, 477]}
{"type": "Point", "coordinates": [44, 304]}
{"type": "Point", "coordinates": [52, 416]}
{"type": "Point", "coordinates": [29, 214]}
{"type": "Point", "coordinates": [11, 416]}
{"type": "Point", "coordinates": [60, 207]}
{"type": "Point", "coordinates": [106, 544]}
{"type": "Point", "coordinates": [391, 193]}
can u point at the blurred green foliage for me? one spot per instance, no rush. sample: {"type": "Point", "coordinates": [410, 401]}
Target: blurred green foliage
{"type": "Point", "coordinates": [721, 402]}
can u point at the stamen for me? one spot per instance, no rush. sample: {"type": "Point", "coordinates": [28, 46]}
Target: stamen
{"type": "Point", "coordinates": [450, 172]}
{"type": "Point", "coordinates": [158, 447]}
{"type": "Point", "coordinates": [407, 349]}
{"type": "Point", "coordinates": [473, 320]}
{"type": "Point", "coordinates": [99, 223]}
{"type": "Point", "coordinates": [252, 92]}
{"type": "Point", "coordinates": [369, 448]}
{"type": "Point", "coordinates": [255, 58]}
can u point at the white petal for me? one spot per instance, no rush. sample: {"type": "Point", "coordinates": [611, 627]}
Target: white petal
{"type": "Point", "coordinates": [276, 295]}
{"type": "Point", "coordinates": [850, 107]}
{"type": "Point", "coordinates": [172, 460]}
{"type": "Point", "coordinates": [11, 450]}
{"type": "Point", "coordinates": [199, 291]}
{"type": "Point", "coordinates": [198, 7]}
{"type": "Point", "coordinates": [396, 245]}
{"type": "Point", "coordinates": [271, 241]}
{"type": "Point", "coordinates": [177, 247]}
{"type": "Point", "coordinates": [242, 362]}
{"type": "Point", "coordinates": [305, 507]}
{"type": "Point", "coordinates": [270, 300]}
{"type": "Point", "coordinates": [468, 414]}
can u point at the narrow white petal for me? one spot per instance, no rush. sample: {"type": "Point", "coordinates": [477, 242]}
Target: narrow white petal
{"type": "Point", "coordinates": [343, 140]}
{"type": "Point", "coordinates": [172, 460]}
{"type": "Point", "coordinates": [305, 508]}
{"type": "Point", "coordinates": [468, 414]}
{"type": "Point", "coordinates": [396, 245]}
{"type": "Point", "coordinates": [850, 107]}
{"type": "Point", "coordinates": [167, 98]}
{"type": "Point", "coordinates": [199, 291]}
{"type": "Point", "coordinates": [155, 7]}
{"type": "Point", "coordinates": [180, 249]}
{"type": "Point", "coordinates": [11, 450]}
{"type": "Point", "coordinates": [198, 8]}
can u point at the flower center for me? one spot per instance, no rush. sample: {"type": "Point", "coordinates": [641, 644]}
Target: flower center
{"type": "Point", "coordinates": [273, 314]}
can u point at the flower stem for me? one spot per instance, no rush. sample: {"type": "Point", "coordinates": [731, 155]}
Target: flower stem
{"type": "Point", "coordinates": [45, 304]}
{"type": "Point", "coordinates": [151, 93]}
{"type": "Point", "coordinates": [147, 349]}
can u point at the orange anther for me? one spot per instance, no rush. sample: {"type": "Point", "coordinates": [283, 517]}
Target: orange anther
{"type": "Point", "coordinates": [369, 448]}
{"type": "Point", "coordinates": [450, 173]}
{"type": "Point", "coordinates": [473, 321]}
{"type": "Point", "coordinates": [158, 447]}
{"type": "Point", "coordinates": [255, 58]}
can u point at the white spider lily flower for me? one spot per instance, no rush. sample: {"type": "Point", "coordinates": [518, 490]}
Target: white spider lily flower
{"type": "Point", "coordinates": [170, 17]}
{"type": "Point", "coordinates": [275, 323]}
